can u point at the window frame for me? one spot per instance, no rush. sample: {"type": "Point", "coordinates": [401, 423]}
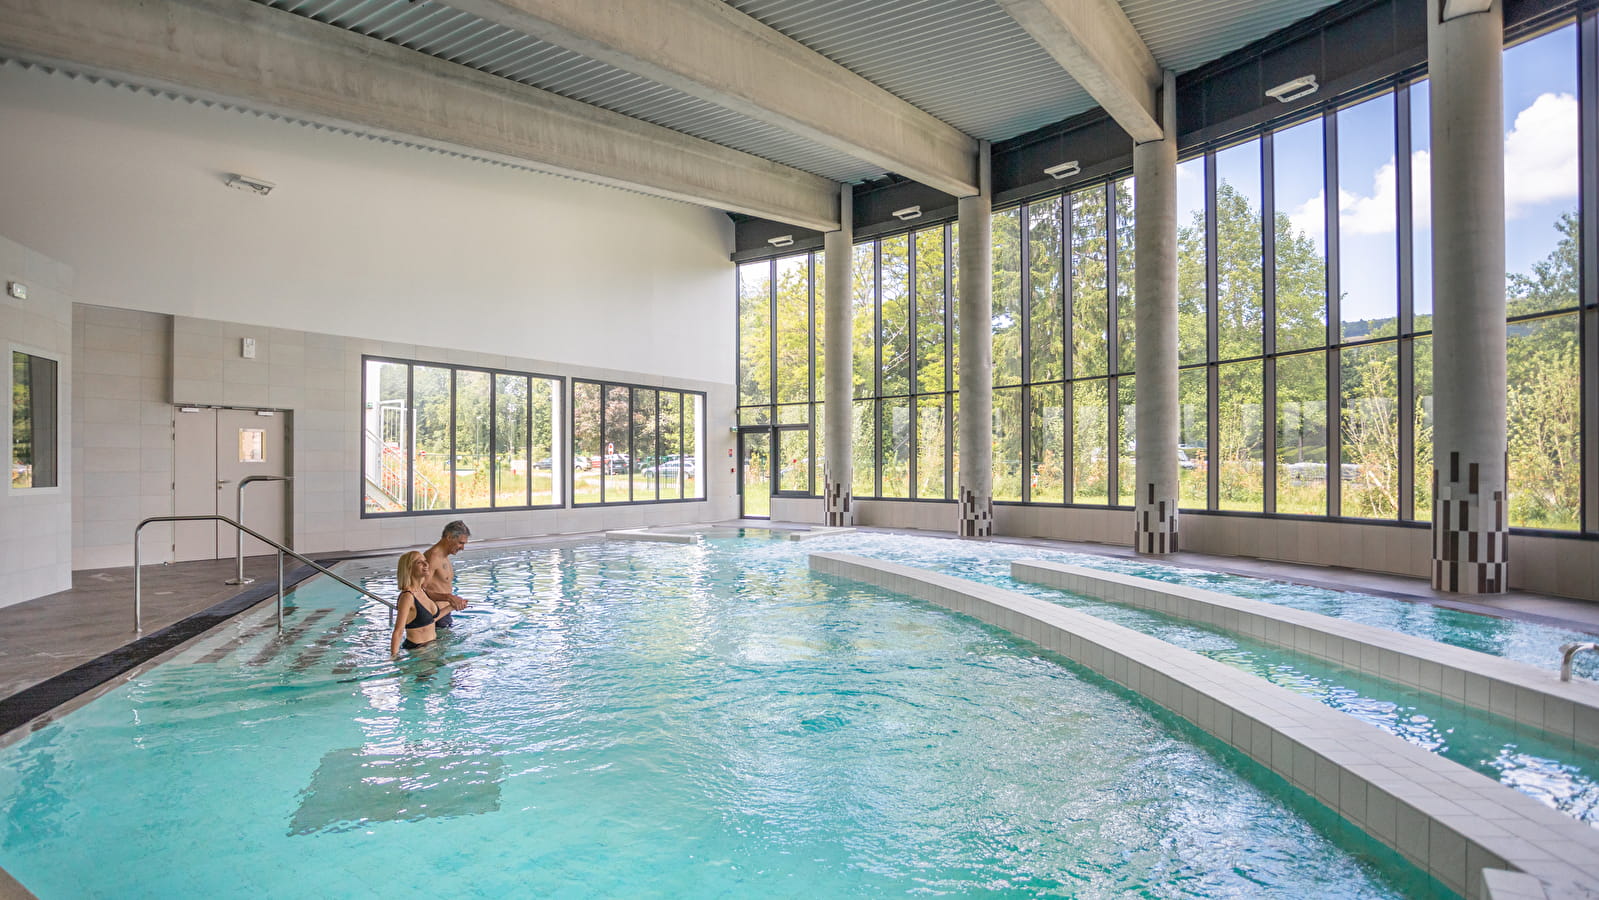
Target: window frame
{"type": "Point", "coordinates": [701, 477]}
{"type": "Point", "coordinates": [564, 398]}
{"type": "Point", "coordinates": [58, 359]}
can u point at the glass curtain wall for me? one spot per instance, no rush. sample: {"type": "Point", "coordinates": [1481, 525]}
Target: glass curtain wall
{"type": "Point", "coordinates": [1304, 321]}
{"type": "Point", "coordinates": [901, 349]}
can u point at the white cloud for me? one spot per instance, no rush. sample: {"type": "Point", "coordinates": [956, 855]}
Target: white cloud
{"type": "Point", "coordinates": [1541, 157]}
{"type": "Point", "coordinates": [1541, 164]}
{"type": "Point", "coordinates": [1310, 217]}
{"type": "Point", "coordinates": [1372, 213]}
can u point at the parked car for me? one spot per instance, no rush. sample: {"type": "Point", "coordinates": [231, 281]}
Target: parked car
{"type": "Point", "coordinates": [544, 464]}
{"type": "Point", "coordinates": [669, 468]}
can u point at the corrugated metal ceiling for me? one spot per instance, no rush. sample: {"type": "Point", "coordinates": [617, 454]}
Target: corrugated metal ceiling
{"type": "Point", "coordinates": [438, 30]}
{"type": "Point", "coordinates": [966, 62]}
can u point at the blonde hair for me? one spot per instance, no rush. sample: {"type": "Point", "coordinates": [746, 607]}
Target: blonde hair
{"type": "Point", "coordinates": [407, 563]}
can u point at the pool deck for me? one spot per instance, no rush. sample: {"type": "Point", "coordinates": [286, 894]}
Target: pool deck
{"type": "Point", "coordinates": [48, 636]}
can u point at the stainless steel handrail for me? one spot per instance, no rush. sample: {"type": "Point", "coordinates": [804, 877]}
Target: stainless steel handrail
{"type": "Point", "coordinates": [138, 591]}
{"type": "Point", "coordinates": [1567, 651]}
{"type": "Point", "coordinates": [238, 551]}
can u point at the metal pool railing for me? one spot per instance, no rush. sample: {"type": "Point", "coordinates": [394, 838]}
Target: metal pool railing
{"type": "Point", "coordinates": [138, 592]}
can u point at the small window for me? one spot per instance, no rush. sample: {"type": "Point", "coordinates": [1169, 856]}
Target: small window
{"type": "Point", "coordinates": [252, 445]}
{"type": "Point", "coordinates": [34, 425]}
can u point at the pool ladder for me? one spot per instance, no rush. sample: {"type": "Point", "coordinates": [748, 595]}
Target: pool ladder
{"type": "Point", "coordinates": [1567, 651]}
{"type": "Point", "coordinates": [138, 592]}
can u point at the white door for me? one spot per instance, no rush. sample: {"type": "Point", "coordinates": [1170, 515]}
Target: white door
{"type": "Point", "coordinates": [216, 450]}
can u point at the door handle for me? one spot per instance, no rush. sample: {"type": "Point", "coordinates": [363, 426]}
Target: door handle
{"type": "Point", "coordinates": [222, 481]}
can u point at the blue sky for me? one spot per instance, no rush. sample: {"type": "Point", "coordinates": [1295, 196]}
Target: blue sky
{"type": "Point", "coordinates": [1541, 156]}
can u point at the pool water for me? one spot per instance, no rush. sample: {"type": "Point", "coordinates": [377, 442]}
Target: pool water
{"type": "Point", "coordinates": [1559, 772]}
{"type": "Point", "coordinates": [632, 719]}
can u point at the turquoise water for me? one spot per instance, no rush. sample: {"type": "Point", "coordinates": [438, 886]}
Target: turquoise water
{"type": "Point", "coordinates": [626, 719]}
{"type": "Point", "coordinates": [1559, 772]}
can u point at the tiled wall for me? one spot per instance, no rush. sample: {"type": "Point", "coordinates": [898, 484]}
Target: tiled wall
{"type": "Point", "coordinates": [36, 525]}
{"type": "Point", "coordinates": [136, 366]}
{"type": "Point", "coordinates": [122, 418]}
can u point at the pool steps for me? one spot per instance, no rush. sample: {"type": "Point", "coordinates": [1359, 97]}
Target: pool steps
{"type": "Point", "coordinates": [1514, 690]}
{"type": "Point", "coordinates": [1444, 818]}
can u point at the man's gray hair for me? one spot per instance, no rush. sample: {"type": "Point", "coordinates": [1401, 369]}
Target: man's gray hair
{"type": "Point", "coordinates": [457, 529]}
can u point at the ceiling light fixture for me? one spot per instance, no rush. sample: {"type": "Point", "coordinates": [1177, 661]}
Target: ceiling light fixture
{"type": "Point", "coordinates": [908, 213]}
{"type": "Point", "coordinates": [1064, 170]}
{"type": "Point", "coordinates": [781, 240]}
{"type": "Point", "coordinates": [1292, 90]}
{"type": "Point", "coordinates": [255, 186]}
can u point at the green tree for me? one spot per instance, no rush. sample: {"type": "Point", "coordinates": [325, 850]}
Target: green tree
{"type": "Point", "coordinates": [1544, 376]}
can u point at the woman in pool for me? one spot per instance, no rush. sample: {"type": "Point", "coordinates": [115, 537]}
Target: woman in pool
{"type": "Point", "coordinates": [416, 612]}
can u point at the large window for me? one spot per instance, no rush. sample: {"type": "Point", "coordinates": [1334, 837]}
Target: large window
{"type": "Point", "coordinates": [901, 371]}
{"type": "Point", "coordinates": [1305, 315]}
{"type": "Point", "coordinates": [442, 438]}
{"type": "Point", "coordinates": [636, 444]}
{"type": "Point", "coordinates": [34, 423]}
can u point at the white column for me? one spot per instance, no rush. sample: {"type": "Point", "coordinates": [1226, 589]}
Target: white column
{"type": "Point", "coordinates": [1465, 43]}
{"type": "Point", "coordinates": [837, 466]}
{"type": "Point", "coordinates": [977, 354]}
{"type": "Point", "coordinates": [1155, 315]}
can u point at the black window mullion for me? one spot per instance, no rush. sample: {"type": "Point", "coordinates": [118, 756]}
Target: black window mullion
{"type": "Point", "coordinates": [914, 362]}
{"type": "Point", "coordinates": [1113, 349]}
{"type": "Point", "coordinates": [453, 451]}
{"type": "Point", "coordinates": [410, 437]}
{"type": "Point", "coordinates": [1334, 317]}
{"type": "Point", "coordinates": [494, 415]}
{"type": "Point", "coordinates": [605, 396]}
{"type": "Point", "coordinates": [877, 376]}
{"type": "Point", "coordinates": [1407, 306]}
{"type": "Point", "coordinates": [1268, 287]}
{"type": "Point", "coordinates": [1025, 261]}
{"type": "Point", "coordinates": [632, 436]}
{"type": "Point", "coordinates": [771, 335]}
{"type": "Point", "coordinates": [1212, 335]}
{"type": "Point", "coordinates": [1588, 218]}
{"type": "Point", "coordinates": [950, 379]}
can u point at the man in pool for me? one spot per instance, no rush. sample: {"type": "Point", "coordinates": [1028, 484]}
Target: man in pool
{"type": "Point", "coordinates": [440, 584]}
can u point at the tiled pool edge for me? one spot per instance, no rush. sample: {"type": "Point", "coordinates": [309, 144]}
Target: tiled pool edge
{"type": "Point", "coordinates": [1442, 817]}
{"type": "Point", "coordinates": [1514, 690]}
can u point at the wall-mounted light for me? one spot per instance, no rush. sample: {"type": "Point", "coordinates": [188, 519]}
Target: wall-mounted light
{"type": "Point", "coordinates": [781, 240]}
{"type": "Point", "coordinates": [1064, 170]}
{"type": "Point", "coordinates": [908, 213]}
{"type": "Point", "coordinates": [1293, 89]}
{"type": "Point", "coordinates": [255, 186]}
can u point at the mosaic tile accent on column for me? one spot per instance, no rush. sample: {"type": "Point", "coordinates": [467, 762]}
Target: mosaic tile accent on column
{"type": "Point", "coordinates": [1155, 523]}
{"type": "Point", "coordinates": [977, 515]}
{"type": "Point", "coordinates": [836, 505]}
{"type": "Point", "coordinates": [1470, 540]}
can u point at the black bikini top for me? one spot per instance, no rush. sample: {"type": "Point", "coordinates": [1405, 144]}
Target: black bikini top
{"type": "Point", "coordinates": [421, 617]}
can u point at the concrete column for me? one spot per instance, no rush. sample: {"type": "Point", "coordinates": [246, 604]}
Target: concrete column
{"type": "Point", "coordinates": [1465, 40]}
{"type": "Point", "coordinates": [1155, 316]}
{"type": "Point", "coordinates": [977, 355]}
{"type": "Point", "coordinates": [837, 466]}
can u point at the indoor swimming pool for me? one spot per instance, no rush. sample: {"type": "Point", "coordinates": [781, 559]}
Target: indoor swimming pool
{"type": "Point", "coordinates": [655, 719]}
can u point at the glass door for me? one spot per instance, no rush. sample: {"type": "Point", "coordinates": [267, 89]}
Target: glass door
{"type": "Point", "coordinates": [755, 473]}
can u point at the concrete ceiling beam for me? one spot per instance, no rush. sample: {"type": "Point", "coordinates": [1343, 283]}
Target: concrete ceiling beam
{"type": "Point", "coordinates": [246, 54]}
{"type": "Point", "coordinates": [709, 50]}
{"type": "Point", "coordinates": [1097, 45]}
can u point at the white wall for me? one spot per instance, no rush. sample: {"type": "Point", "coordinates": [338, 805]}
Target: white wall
{"type": "Point", "coordinates": [134, 364]}
{"type": "Point", "coordinates": [361, 238]}
{"type": "Point", "coordinates": [36, 524]}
